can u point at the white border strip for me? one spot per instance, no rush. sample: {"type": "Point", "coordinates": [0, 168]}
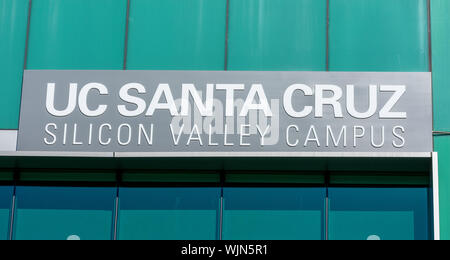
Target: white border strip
{"type": "Point", "coordinates": [57, 154]}
{"type": "Point", "coordinates": [219, 154]}
{"type": "Point", "coordinates": [8, 140]}
{"type": "Point", "coordinates": [437, 229]}
{"type": "Point", "coordinates": [274, 154]}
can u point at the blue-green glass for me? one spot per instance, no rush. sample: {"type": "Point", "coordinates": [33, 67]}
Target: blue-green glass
{"type": "Point", "coordinates": [378, 35]}
{"type": "Point", "coordinates": [64, 213]}
{"type": "Point", "coordinates": [277, 35]}
{"type": "Point", "coordinates": [169, 213]}
{"type": "Point", "coordinates": [378, 214]}
{"type": "Point", "coordinates": [273, 213]}
{"type": "Point", "coordinates": [77, 34]}
{"type": "Point", "coordinates": [442, 146]}
{"type": "Point", "coordinates": [440, 33]}
{"type": "Point", "coordinates": [13, 31]}
{"type": "Point", "coordinates": [6, 194]}
{"type": "Point", "coordinates": [174, 34]}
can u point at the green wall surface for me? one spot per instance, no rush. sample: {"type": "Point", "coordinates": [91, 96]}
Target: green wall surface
{"type": "Point", "coordinates": [380, 35]}
{"type": "Point", "coordinates": [364, 35]}
{"type": "Point", "coordinates": [13, 31]}
{"type": "Point", "coordinates": [277, 35]}
{"type": "Point", "coordinates": [77, 34]}
{"type": "Point", "coordinates": [440, 30]}
{"type": "Point", "coordinates": [442, 146]}
{"type": "Point", "coordinates": [177, 35]}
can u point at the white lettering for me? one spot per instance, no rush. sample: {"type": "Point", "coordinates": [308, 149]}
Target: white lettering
{"type": "Point", "coordinates": [71, 104]}
{"type": "Point", "coordinates": [82, 99]}
{"type": "Point", "coordinates": [47, 130]}
{"type": "Point", "coordinates": [332, 101]}
{"type": "Point", "coordinates": [190, 90]}
{"type": "Point", "coordinates": [351, 108]}
{"type": "Point", "coordinates": [163, 89]}
{"type": "Point", "coordinates": [287, 100]}
{"type": "Point", "coordinates": [229, 90]}
{"type": "Point", "coordinates": [398, 90]}
{"type": "Point", "coordinates": [256, 90]}
{"type": "Point", "coordinates": [125, 96]}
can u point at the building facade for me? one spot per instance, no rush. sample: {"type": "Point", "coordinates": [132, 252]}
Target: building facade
{"type": "Point", "coordinates": [114, 195]}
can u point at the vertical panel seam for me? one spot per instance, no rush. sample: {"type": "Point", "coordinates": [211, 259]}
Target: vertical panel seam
{"type": "Point", "coordinates": [430, 66]}
{"type": "Point", "coordinates": [127, 24]}
{"type": "Point", "coordinates": [327, 203]}
{"type": "Point", "coordinates": [25, 60]}
{"type": "Point", "coordinates": [430, 53]}
{"type": "Point", "coordinates": [12, 215]}
{"type": "Point", "coordinates": [13, 204]}
{"type": "Point", "coordinates": [116, 204]}
{"type": "Point", "coordinates": [222, 200]}
{"type": "Point", "coordinates": [434, 171]}
{"type": "Point", "coordinates": [116, 213]}
{"type": "Point", "coordinates": [30, 2]}
{"type": "Point", "coordinates": [221, 217]}
{"type": "Point", "coordinates": [327, 55]}
{"type": "Point", "coordinates": [227, 19]}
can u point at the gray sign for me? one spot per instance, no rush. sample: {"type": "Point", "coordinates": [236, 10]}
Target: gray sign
{"type": "Point", "coordinates": [218, 111]}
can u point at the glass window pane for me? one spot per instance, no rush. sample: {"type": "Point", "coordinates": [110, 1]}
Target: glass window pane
{"type": "Point", "coordinates": [440, 30]}
{"type": "Point", "coordinates": [174, 34]}
{"type": "Point", "coordinates": [169, 213]}
{"type": "Point", "coordinates": [277, 35]}
{"type": "Point", "coordinates": [60, 213]}
{"type": "Point", "coordinates": [77, 34]}
{"type": "Point", "coordinates": [13, 31]}
{"type": "Point", "coordinates": [378, 213]}
{"type": "Point", "coordinates": [6, 194]}
{"type": "Point", "coordinates": [273, 213]}
{"type": "Point", "coordinates": [381, 35]}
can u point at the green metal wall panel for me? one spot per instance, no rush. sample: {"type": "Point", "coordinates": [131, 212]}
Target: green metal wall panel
{"type": "Point", "coordinates": [277, 35]}
{"type": "Point", "coordinates": [440, 33]}
{"type": "Point", "coordinates": [440, 29]}
{"type": "Point", "coordinates": [77, 34]}
{"type": "Point", "coordinates": [381, 35]}
{"type": "Point", "coordinates": [177, 35]}
{"type": "Point", "coordinates": [442, 146]}
{"type": "Point", "coordinates": [13, 28]}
